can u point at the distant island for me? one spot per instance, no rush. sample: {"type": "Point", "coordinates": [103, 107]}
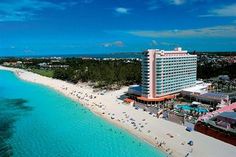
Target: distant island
{"type": "Point", "coordinates": [121, 55]}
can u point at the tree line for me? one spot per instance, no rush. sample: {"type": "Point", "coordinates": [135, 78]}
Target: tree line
{"type": "Point", "coordinates": [209, 70]}
{"type": "Point", "coordinates": [101, 72]}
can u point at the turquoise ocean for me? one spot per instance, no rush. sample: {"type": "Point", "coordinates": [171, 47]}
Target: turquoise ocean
{"type": "Point", "coordinates": [36, 121]}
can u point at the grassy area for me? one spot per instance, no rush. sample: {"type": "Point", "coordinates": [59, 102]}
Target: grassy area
{"type": "Point", "coordinates": [43, 72]}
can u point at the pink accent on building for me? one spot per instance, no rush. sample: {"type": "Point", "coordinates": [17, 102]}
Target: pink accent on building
{"type": "Point", "coordinates": [212, 114]}
{"type": "Point", "coordinates": [167, 72]}
{"type": "Point", "coordinates": [220, 127]}
{"type": "Point", "coordinates": [152, 74]}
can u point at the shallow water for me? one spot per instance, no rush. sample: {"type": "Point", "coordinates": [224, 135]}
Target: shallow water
{"type": "Point", "coordinates": [36, 121]}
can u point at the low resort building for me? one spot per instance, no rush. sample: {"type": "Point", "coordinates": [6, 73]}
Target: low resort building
{"type": "Point", "coordinates": [220, 124]}
{"type": "Point", "coordinates": [170, 90]}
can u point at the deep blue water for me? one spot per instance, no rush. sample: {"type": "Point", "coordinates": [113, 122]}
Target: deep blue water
{"type": "Point", "coordinates": [121, 55]}
{"type": "Point", "coordinates": [36, 121]}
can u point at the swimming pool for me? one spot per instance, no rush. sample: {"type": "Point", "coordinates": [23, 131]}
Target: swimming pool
{"type": "Point", "coordinates": [187, 107]}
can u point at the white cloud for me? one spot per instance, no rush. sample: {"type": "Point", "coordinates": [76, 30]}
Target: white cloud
{"type": "Point", "coordinates": [169, 44]}
{"type": "Point", "coordinates": [121, 10]}
{"type": "Point", "coordinates": [153, 43]}
{"type": "Point", "coordinates": [112, 44]}
{"type": "Point", "coordinates": [216, 31]}
{"type": "Point", "coordinates": [12, 47]}
{"type": "Point", "coordinates": [28, 51]}
{"type": "Point", "coordinates": [177, 2]}
{"type": "Point", "coordinates": [152, 5]}
{"type": "Point", "coordinates": [228, 10]}
{"type": "Point", "coordinates": [155, 4]}
{"type": "Point", "coordinates": [174, 2]}
{"type": "Point", "coordinates": [87, 1]}
{"type": "Point", "coordinates": [22, 10]}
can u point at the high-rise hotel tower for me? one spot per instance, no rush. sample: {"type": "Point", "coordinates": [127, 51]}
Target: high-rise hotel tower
{"type": "Point", "coordinates": [167, 72]}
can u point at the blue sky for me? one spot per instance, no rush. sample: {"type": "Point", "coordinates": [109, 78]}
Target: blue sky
{"type": "Point", "coordinates": [41, 27]}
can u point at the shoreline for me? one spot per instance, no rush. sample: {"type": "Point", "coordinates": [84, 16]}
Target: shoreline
{"type": "Point", "coordinates": [84, 104]}
{"type": "Point", "coordinates": [110, 108]}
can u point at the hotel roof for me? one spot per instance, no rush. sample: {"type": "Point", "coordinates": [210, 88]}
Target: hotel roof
{"type": "Point", "coordinates": [198, 88]}
{"type": "Point", "coordinates": [229, 108]}
{"type": "Point", "coordinates": [214, 95]}
{"type": "Point", "coordinates": [228, 115]}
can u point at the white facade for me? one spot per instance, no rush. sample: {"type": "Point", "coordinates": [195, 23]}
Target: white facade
{"type": "Point", "coordinates": [167, 72]}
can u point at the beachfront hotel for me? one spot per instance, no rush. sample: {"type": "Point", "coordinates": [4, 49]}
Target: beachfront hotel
{"type": "Point", "coordinates": [166, 72]}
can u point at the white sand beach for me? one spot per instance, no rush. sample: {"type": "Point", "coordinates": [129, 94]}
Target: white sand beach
{"type": "Point", "coordinates": [170, 137]}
